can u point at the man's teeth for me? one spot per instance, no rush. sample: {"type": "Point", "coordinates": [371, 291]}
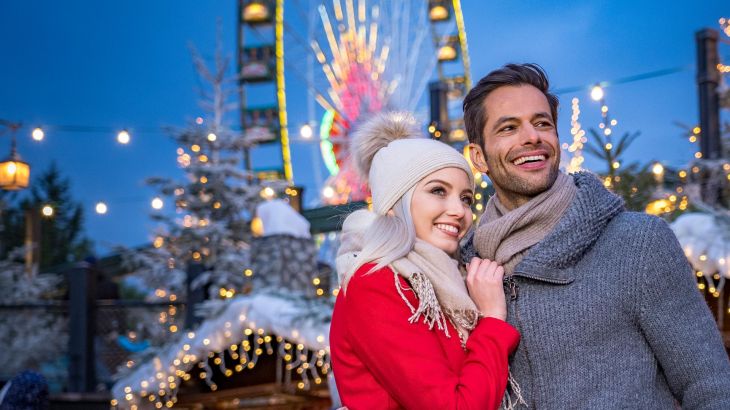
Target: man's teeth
{"type": "Point", "coordinates": [447, 228]}
{"type": "Point", "coordinates": [522, 160]}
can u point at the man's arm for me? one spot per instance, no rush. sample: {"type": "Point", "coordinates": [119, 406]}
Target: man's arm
{"type": "Point", "coordinates": [678, 324]}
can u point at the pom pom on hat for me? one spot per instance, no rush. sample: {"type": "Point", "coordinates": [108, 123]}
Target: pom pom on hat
{"type": "Point", "coordinates": [377, 132]}
{"type": "Point", "coordinates": [389, 151]}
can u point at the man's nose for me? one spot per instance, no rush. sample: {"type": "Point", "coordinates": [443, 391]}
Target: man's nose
{"type": "Point", "coordinates": [530, 135]}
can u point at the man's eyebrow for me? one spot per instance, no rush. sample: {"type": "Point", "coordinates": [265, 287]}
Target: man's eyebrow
{"type": "Point", "coordinates": [502, 120]}
{"type": "Point", "coordinates": [542, 114]}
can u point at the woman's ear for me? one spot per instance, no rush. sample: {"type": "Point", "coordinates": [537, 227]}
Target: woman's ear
{"type": "Point", "coordinates": [478, 159]}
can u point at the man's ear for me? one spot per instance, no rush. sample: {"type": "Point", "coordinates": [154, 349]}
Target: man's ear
{"type": "Point", "coordinates": [478, 159]}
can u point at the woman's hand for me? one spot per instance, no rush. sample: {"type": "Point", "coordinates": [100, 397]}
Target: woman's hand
{"type": "Point", "coordinates": [484, 281]}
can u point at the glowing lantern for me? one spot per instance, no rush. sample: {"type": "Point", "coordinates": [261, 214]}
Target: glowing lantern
{"type": "Point", "coordinates": [447, 52]}
{"type": "Point", "coordinates": [14, 173]}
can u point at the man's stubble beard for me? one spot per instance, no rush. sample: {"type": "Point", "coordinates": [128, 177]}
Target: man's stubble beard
{"type": "Point", "coordinates": [516, 187]}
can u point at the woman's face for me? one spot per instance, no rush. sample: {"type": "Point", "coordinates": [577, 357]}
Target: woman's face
{"type": "Point", "coordinates": [441, 208]}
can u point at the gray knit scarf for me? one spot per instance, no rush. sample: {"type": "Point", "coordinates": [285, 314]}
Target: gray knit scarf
{"type": "Point", "coordinates": [505, 235]}
{"type": "Point", "coordinates": [433, 275]}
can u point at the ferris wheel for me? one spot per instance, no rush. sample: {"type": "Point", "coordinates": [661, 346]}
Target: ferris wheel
{"type": "Point", "coordinates": [355, 57]}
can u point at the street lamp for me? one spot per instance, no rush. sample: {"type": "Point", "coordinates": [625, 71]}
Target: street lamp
{"type": "Point", "coordinates": [14, 173]}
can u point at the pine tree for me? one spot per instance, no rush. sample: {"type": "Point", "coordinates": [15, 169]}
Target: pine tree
{"type": "Point", "coordinates": [62, 239]}
{"type": "Point", "coordinates": [634, 182]}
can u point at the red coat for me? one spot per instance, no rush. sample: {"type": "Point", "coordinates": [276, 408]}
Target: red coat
{"type": "Point", "coordinates": [381, 361]}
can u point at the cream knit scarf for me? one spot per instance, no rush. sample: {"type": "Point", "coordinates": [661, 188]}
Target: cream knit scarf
{"type": "Point", "coordinates": [433, 275]}
{"type": "Point", "coordinates": [505, 235]}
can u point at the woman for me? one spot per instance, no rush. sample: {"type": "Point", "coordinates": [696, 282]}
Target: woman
{"type": "Point", "coordinates": [405, 332]}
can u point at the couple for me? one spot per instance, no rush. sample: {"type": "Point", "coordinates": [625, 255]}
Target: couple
{"type": "Point", "coordinates": [565, 300]}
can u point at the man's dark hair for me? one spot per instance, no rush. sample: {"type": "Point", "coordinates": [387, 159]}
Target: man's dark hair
{"type": "Point", "coordinates": [475, 118]}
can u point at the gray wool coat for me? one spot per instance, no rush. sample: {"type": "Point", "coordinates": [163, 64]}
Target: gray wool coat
{"type": "Point", "coordinates": [610, 315]}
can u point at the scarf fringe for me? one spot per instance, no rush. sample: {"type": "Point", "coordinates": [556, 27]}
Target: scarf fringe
{"type": "Point", "coordinates": [508, 403]}
{"type": "Point", "coordinates": [428, 305]}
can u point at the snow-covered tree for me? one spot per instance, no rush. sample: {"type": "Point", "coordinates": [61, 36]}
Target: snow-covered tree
{"type": "Point", "coordinates": [214, 203]}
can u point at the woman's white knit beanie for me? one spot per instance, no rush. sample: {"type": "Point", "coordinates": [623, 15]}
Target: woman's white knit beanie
{"type": "Point", "coordinates": [389, 150]}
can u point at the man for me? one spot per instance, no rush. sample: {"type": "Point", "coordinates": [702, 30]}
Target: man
{"type": "Point", "coordinates": [605, 300]}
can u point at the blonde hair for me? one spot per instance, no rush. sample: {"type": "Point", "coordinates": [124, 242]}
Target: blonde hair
{"type": "Point", "coordinates": [389, 237]}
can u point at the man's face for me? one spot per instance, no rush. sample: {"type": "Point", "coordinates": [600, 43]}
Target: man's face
{"type": "Point", "coordinates": [521, 152]}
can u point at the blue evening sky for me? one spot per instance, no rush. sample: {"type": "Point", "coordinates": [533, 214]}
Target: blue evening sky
{"type": "Point", "coordinates": [126, 64]}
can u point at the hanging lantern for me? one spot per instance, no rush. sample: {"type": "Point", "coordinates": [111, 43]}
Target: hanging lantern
{"type": "Point", "coordinates": [14, 173]}
{"type": "Point", "coordinates": [256, 12]}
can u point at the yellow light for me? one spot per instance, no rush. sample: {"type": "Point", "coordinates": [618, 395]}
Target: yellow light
{"type": "Point", "coordinates": [315, 281]}
{"type": "Point", "coordinates": [158, 242]}
{"type": "Point", "coordinates": [123, 137]}
{"type": "Point", "coordinates": [604, 109]}
{"type": "Point", "coordinates": [248, 272]}
{"type": "Point", "coordinates": [47, 211]}
{"type": "Point", "coordinates": [257, 226]}
{"type": "Point", "coordinates": [203, 179]}
{"type": "Point", "coordinates": [597, 93]}
{"type": "Point", "coordinates": [203, 158]}
{"type": "Point", "coordinates": [196, 255]}
{"type": "Point", "coordinates": [616, 165]}
{"type": "Point", "coordinates": [438, 13]}
{"type": "Point", "coordinates": [682, 174]}
{"type": "Point", "coordinates": [658, 169]}
{"type": "Point", "coordinates": [692, 138]}
{"type": "Point", "coordinates": [14, 174]}
{"type": "Point", "coordinates": [38, 134]}
{"type": "Point", "coordinates": [157, 203]}
{"type": "Point", "coordinates": [267, 193]}
{"type": "Point", "coordinates": [255, 12]}
{"type": "Point", "coordinates": [195, 148]}
{"type": "Point", "coordinates": [609, 146]}
{"type": "Point", "coordinates": [101, 208]}
{"type": "Point", "coordinates": [447, 53]}
{"type": "Point", "coordinates": [698, 155]}
{"type": "Point", "coordinates": [212, 137]}
{"type": "Point", "coordinates": [483, 184]}
{"type": "Point", "coordinates": [658, 207]}
{"type": "Point", "coordinates": [216, 205]}
{"type": "Point", "coordinates": [320, 292]}
{"type": "Point", "coordinates": [696, 130]}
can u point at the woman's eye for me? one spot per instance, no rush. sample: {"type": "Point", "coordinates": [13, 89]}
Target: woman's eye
{"type": "Point", "coordinates": [438, 191]}
{"type": "Point", "coordinates": [467, 200]}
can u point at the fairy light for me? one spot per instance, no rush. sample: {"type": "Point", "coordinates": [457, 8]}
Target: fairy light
{"type": "Point", "coordinates": [576, 147]}
{"type": "Point", "coordinates": [38, 134]}
{"type": "Point", "coordinates": [101, 208]}
{"type": "Point", "coordinates": [47, 211]}
{"type": "Point", "coordinates": [157, 203]}
{"type": "Point", "coordinates": [123, 137]}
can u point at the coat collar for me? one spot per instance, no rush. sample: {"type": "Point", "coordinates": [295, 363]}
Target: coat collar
{"type": "Point", "coordinates": [553, 259]}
